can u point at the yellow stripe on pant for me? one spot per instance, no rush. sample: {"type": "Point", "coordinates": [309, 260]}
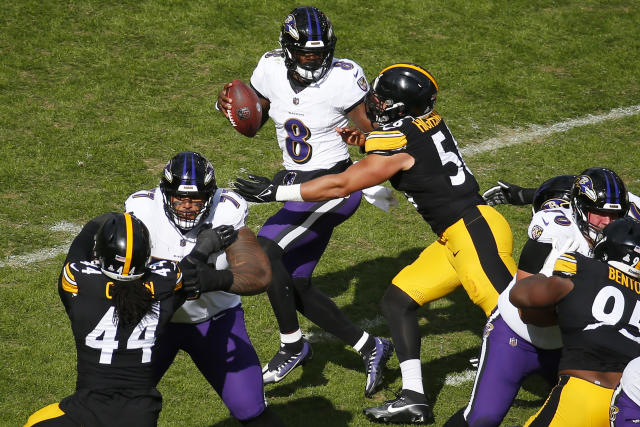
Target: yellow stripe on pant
{"type": "Point", "coordinates": [574, 402]}
{"type": "Point", "coordinates": [475, 252]}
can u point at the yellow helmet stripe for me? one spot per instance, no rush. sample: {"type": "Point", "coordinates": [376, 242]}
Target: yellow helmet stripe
{"type": "Point", "coordinates": [413, 67]}
{"type": "Point", "coordinates": [127, 262]}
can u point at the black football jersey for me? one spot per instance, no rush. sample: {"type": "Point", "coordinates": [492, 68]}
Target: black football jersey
{"type": "Point", "coordinates": [109, 354]}
{"type": "Point", "coordinates": [600, 318]}
{"type": "Point", "coordinates": [439, 185]}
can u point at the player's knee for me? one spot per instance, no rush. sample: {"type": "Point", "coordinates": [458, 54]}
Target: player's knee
{"type": "Point", "coordinates": [396, 302]}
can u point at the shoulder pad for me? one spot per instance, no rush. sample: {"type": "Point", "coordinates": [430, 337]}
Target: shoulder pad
{"type": "Point", "coordinates": [566, 265]}
{"type": "Point", "coordinates": [389, 138]}
{"type": "Point", "coordinates": [551, 224]}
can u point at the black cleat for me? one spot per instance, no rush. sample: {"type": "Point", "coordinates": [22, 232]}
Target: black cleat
{"type": "Point", "coordinates": [402, 410]}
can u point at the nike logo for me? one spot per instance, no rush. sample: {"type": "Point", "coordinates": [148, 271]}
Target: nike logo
{"type": "Point", "coordinates": [393, 410]}
{"type": "Point", "coordinates": [545, 221]}
{"type": "Point", "coordinates": [455, 253]}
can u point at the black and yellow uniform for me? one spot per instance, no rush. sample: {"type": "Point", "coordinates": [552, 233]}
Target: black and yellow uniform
{"type": "Point", "coordinates": [599, 321]}
{"type": "Point", "coordinates": [475, 243]}
{"type": "Point", "coordinates": [114, 384]}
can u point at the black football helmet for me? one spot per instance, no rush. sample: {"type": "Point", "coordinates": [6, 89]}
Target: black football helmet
{"type": "Point", "coordinates": [188, 174]}
{"type": "Point", "coordinates": [620, 246]}
{"type": "Point", "coordinates": [306, 29]}
{"type": "Point", "coordinates": [598, 190]}
{"type": "Point", "coordinates": [553, 193]}
{"type": "Point", "coordinates": [401, 90]}
{"type": "Point", "coordinates": [122, 247]}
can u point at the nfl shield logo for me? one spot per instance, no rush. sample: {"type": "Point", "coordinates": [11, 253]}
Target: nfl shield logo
{"type": "Point", "coordinates": [296, 101]}
{"type": "Point", "coordinates": [513, 341]}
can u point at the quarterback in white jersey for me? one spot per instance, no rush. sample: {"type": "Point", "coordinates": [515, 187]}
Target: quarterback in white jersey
{"type": "Point", "coordinates": [211, 328]}
{"type": "Point", "coordinates": [311, 97]}
{"type": "Point", "coordinates": [305, 121]}
{"type": "Point", "coordinates": [512, 349]}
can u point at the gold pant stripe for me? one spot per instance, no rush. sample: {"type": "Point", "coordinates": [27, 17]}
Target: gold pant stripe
{"type": "Point", "coordinates": [46, 413]}
{"type": "Point", "coordinates": [574, 402]}
{"type": "Point", "coordinates": [454, 260]}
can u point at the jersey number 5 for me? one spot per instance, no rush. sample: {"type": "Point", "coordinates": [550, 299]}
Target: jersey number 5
{"type": "Point", "coordinates": [103, 336]}
{"type": "Point", "coordinates": [450, 157]}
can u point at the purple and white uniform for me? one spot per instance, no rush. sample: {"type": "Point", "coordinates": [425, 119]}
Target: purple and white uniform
{"type": "Point", "coordinates": [211, 329]}
{"type": "Point", "coordinates": [511, 349]}
{"type": "Point", "coordinates": [305, 123]}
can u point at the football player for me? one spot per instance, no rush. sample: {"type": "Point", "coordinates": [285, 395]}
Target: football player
{"type": "Point", "coordinates": [596, 305]}
{"type": "Point", "coordinates": [625, 403]}
{"type": "Point", "coordinates": [511, 194]}
{"type": "Point", "coordinates": [417, 153]}
{"type": "Point", "coordinates": [211, 329]}
{"type": "Point", "coordinates": [308, 94]}
{"type": "Point", "coordinates": [118, 305]}
{"type": "Point", "coordinates": [556, 226]}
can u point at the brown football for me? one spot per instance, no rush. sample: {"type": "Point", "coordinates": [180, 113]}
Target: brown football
{"type": "Point", "coordinates": [246, 112]}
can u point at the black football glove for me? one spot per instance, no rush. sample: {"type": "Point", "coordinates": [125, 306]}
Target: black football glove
{"type": "Point", "coordinates": [505, 193]}
{"type": "Point", "coordinates": [190, 281]}
{"type": "Point", "coordinates": [198, 277]}
{"type": "Point", "coordinates": [211, 240]}
{"type": "Point", "coordinates": [258, 189]}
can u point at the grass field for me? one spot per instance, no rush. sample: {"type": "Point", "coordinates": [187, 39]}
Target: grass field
{"type": "Point", "coordinates": [96, 96]}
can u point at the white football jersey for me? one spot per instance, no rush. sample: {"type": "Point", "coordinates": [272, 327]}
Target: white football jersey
{"type": "Point", "coordinates": [546, 226]}
{"type": "Point", "coordinates": [630, 380]}
{"type": "Point", "coordinates": [306, 121]}
{"type": "Point", "coordinates": [168, 242]}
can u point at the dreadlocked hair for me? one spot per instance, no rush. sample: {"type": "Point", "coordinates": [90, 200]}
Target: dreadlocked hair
{"type": "Point", "coordinates": [132, 301]}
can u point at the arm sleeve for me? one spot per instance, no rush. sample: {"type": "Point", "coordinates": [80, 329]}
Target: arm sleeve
{"type": "Point", "coordinates": [533, 256]}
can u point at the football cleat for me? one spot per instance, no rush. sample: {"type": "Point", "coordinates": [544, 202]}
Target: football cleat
{"type": "Point", "coordinates": [402, 410]}
{"type": "Point", "coordinates": [374, 363]}
{"type": "Point", "coordinates": [284, 362]}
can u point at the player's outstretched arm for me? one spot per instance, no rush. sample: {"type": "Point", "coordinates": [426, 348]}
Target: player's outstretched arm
{"type": "Point", "coordinates": [372, 170]}
{"type": "Point", "coordinates": [511, 194]}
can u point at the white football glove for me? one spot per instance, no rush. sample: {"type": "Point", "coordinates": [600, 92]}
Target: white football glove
{"type": "Point", "coordinates": [557, 249]}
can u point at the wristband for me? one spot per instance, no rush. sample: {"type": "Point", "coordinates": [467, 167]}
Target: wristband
{"type": "Point", "coordinates": [289, 193]}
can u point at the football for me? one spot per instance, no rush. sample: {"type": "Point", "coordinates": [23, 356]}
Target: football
{"type": "Point", "coordinates": [246, 112]}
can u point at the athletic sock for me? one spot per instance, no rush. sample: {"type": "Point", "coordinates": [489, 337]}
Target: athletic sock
{"type": "Point", "coordinates": [412, 375]}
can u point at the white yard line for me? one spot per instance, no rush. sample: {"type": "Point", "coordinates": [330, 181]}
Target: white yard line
{"type": "Point", "coordinates": [513, 137]}
{"type": "Point", "coordinates": [43, 254]}
{"type": "Point", "coordinates": [518, 136]}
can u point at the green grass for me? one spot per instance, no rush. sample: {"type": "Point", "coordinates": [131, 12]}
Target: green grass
{"type": "Point", "coordinates": [96, 96]}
